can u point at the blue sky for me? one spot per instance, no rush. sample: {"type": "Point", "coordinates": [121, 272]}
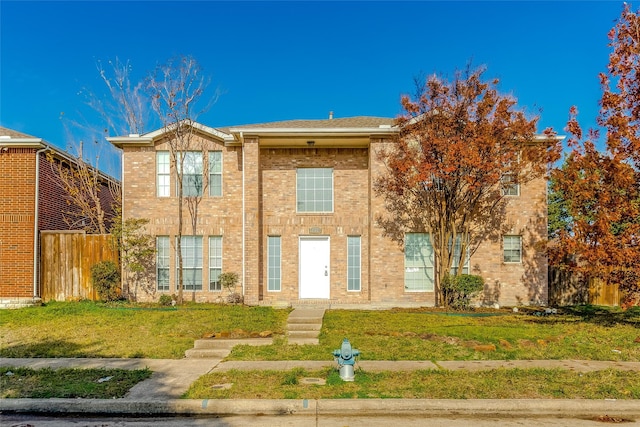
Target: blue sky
{"type": "Point", "coordinates": [299, 60]}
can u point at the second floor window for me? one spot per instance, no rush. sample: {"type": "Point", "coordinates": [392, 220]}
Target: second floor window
{"type": "Point", "coordinates": [510, 185]}
{"type": "Point", "coordinates": [215, 173]}
{"type": "Point", "coordinates": [163, 171]}
{"type": "Point", "coordinates": [314, 190]}
{"type": "Point", "coordinates": [192, 182]}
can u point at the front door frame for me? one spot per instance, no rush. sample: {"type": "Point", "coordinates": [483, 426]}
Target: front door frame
{"type": "Point", "coordinates": [316, 283]}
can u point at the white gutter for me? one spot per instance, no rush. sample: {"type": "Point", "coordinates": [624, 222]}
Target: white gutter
{"type": "Point", "coordinates": [243, 220]}
{"type": "Point", "coordinates": [35, 223]}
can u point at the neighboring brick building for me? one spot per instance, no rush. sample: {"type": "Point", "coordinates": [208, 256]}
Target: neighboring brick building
{"type": "Point", "coordinates": [30, 201]}
{"type": "Point", "coordinates": [290, 207]}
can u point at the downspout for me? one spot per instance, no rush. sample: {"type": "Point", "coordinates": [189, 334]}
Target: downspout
{"type": "Point", "coordinates": [243, 219]}
{"type": "Point", "coordinates": [35, 223]}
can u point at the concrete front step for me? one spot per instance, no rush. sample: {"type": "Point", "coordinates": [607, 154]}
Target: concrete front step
{"type": "Point", "coordinates": [303, 334]}
{"type": "Point", "coordinates": [304, 326]}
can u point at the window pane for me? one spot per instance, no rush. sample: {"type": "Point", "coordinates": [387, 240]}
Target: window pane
{"type": "Point", "coordinates": [162, 263]}
{"type": "Point", "coordinates": [314, 190]}
{"type": "Point", "coordinates": [418, 262]}
{"type": "Point", "coordinates": [215, 173]}
{"type": "Point", "coordinates": [353, 263]}
{"type": "Point", "coordinates": [509, 185]}
{"type": "Point", "coordinates": [162, 166]}
{"type": "Point", "coordinates": [456, 255]}
{"type": "Point", "coordinates": [512, 248]}
{"type": "Point", "coordinates": [274, 274]}
{"type": "Point", "coordinates": [192, 184]}
{"type": "Point", "coordinates": [191, 262]}
{"type": "Point", "coordinates": [215, 263]}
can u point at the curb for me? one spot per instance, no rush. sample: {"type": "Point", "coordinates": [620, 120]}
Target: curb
{"type": "Point", "coordinates": [563, 408]}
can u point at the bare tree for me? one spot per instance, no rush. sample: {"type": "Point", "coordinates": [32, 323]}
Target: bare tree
{"type": "Point", "coordinates": [90, 194]}
{"type": "Point", "coordinates": [176, 88]}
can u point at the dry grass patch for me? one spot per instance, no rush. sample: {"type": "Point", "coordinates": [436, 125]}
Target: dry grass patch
{"type": "Point", "coordinates": [426, 384]}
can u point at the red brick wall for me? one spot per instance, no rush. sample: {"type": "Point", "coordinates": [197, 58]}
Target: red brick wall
{"type": "Point", "coordinates": [17, 198]}
{"type": "Point", "coordinates": [17, 210]}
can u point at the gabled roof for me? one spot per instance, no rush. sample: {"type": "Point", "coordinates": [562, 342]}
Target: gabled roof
{"type": "Point", "coordinates": [349, 130]}
{"type": "Point", "coordinates": [342, 123]}
{"type": "Point", "coordinates": [4, 132]}
{"type": "Point", "coordinates": [15, 139]}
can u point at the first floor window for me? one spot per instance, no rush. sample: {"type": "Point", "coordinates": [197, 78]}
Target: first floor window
{"type": "Point", "coordinates": [215, 263]}
{"type": "Point", "coordinates": [353, 263]}
{"type": "Point", "coordinates": [512, 249]}
{"type": "Point", "coordinates": [456, 256]}
{"type": "Point", "coordinates": [274, 271]}
{"type": "Point", "coordinates": [418, 262]}
{"type": "Point", "coordinates": [162, 263]}
{"type": "Point", "coordinates": [191, 249]}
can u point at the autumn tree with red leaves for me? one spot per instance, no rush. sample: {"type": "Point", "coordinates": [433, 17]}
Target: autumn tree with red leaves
{"type": "Point", "coordinates": [461, 144]}
{"type": "Point", "coordinates": [602, 188]}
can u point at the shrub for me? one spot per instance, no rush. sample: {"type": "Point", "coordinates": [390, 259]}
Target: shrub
{"type": "Point", "coordinates": [105, 276]}
{"type": "Point", "coordinates": [166, 300]}
{"type": "Point", "coordinates": [229, 280]}
{"type": "Point", "coordinates": [457, 291]}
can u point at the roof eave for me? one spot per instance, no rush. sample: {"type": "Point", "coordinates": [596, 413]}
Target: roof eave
{"type": "Point", "coordinates": [22, 142]}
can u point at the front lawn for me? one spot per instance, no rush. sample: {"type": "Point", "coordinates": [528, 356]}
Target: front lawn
{"type": "Point", "coordinates": [88, 329]}
{"type": "Point", "coordinates": [68, 383]}
{"type": "Point", "coordinates": [578, 333]}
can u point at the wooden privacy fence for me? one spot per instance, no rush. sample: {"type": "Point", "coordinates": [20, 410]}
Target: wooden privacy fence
{"type": "Point", "coordinates": [567, 288]}
{"type": "Point", "coordinates": [66, 259]}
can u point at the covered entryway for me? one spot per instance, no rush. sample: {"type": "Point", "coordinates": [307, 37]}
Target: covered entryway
{"type": "Point", "coordinates": [314, 268]}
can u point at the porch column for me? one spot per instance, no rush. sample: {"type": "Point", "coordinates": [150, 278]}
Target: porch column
{"type": "Point", "coordinates": [252, 221]}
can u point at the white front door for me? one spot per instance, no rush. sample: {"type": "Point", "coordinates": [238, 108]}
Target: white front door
{"type": "Point", "coordinates": [314, 267]}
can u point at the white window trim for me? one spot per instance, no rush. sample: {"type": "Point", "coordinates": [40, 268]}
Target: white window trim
{"type": "Point", "coordinates": [201, 267]}
{"type": "Point", "coordinates": [333, 201]}
{"type": "Point", "coordinates": [427, 289]}
{"type": "Point", "coordinates": [178, 166]}
{"type": "Point", "coordinates": [519, 249]}
{"type": "Point", "coordinates": [211, 259]}
{"type": "Point", "coordinates": [163, 174]}
{"type": "Point", "coordinates": [504, 189]}
{"type": "Point", "coordinates": [279, 289]}
{"type": "Point", "coordinates": [220, 173]}
{"type": "Point", "coordinates": [359, 264]}
{"type": "Point", "coordinates": [167, 256]}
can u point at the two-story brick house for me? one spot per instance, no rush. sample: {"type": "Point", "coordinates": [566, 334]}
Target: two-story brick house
{"type": "Point", "coordinates": [290, 207]}
{"type": "Point", "coordinates": [30, 201]}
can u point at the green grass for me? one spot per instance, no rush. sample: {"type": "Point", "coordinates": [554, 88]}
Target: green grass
{"type": "Point", "coordinates": [68, 383]}
{"type": "Point", "coordinates": [580, 333]}
{"type": "Point", "coordinates": [426, 384]}
{"type": "Point", "coordinates": [87, 329]}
